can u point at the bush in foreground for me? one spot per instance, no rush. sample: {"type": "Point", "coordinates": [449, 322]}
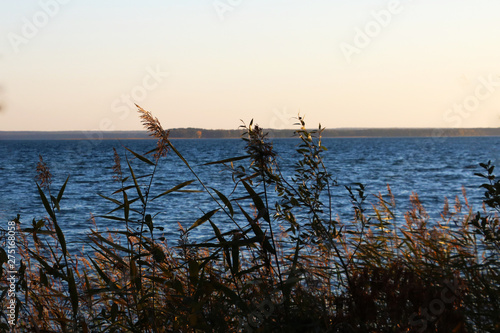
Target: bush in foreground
{"type": "Point", "coordinates": [286, 264]}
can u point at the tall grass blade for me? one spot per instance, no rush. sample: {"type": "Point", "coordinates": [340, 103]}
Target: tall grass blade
{"type": "Point", "coordinates": [137, 187]}
{"type": "Point", "coordinates": [259, 204]}
{"type": "Point", "coordinates": [176, 188]}
{"type": "Point", "coordinates": [61, 191]}
{"type": "Point", "coordinates": [228, 160]}
{"type": "Point", "coordinates": [46, 203]}
{"type": "Point", "coordinates": [73, 292]}
{"type": "Point", "coordinates": [203, 219]}
{"type": "Point", "coordinates": [225, 200]}
{"type": "Point", "coordinates": [140, 157]}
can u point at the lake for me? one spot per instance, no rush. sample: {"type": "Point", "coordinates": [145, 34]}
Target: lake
{"type": "Point", "coordinates": [434, 168]}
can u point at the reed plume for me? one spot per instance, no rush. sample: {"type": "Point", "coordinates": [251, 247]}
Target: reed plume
{"type": "Point", "coordinates": [43, 175]}
{"type": "Point", "coordinates": [117, 167]}
{"type": "Point", "coordinates": [153, 126]}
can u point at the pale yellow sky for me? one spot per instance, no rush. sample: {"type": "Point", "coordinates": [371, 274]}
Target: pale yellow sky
{"type": "Point", "coordinates": [80, 65]}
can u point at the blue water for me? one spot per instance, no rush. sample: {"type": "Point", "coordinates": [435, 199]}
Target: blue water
{"type": "Point", "coordinates": [433, 168]}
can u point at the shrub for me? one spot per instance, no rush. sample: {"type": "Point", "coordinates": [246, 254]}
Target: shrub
{"type": "Point", "coordinates": [285, 264]}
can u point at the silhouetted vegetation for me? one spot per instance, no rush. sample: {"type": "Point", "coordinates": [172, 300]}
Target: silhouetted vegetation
{"type": "Point", "coordinates": [278, 258]}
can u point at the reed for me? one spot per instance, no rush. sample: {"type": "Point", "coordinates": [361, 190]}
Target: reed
{"type": "Point", "coordinates": [285, 265]}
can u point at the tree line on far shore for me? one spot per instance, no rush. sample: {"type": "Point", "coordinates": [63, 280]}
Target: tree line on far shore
{"type": "Point", "coordinates": [200, 133]}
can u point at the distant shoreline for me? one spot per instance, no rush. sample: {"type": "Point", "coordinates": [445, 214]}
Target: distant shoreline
{"type": "Point", "coordinates": [199, 133]}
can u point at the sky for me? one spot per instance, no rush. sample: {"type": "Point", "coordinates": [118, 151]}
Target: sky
{"type": "Point", "coordinates": [83, 64]}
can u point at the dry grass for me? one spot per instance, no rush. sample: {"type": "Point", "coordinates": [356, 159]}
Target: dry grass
{"type": "Point", "coordinates": [312, 274]}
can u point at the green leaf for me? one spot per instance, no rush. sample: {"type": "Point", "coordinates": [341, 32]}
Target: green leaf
{"type": "Point", "coordinates": [255, 227]}
{"type": "Point", "coordinates": [157, 254]}
{"type": "Point", "coordinates": [250, 270]}
{"type": "Point", "coordinates": [130, 202]}
{"type": "Point", "coordinates": [225, 244]}
{"type": "Point", "coordinates": [177, 286]}
{"type": "Point", "coordinates": [227, 160]}
{"type": "Point", "coordinates": [194, 269]}
{"type": "Point", "coordinates": [257, 200]}
{"type": "Point", "coordinates": [122, 189]}
{"type": "Point", "coordinates": [295, 259]}
{"type": "Point", "coordinates": [111, 199]}
{"type": "Point", "coordinates": [142, 158]}
{"type": "Point", "coordinates": [139, 192]}
{"type": "Point", "coordinates": [107, 241]}
{"type": "Point", "coordinates": [149, 222]}
{"type": "Point", "coordinates": [126, 206]}
{"type": "Point", "coordinates": [225, 200]}
{"type": "Point", "coordinates": [217, 232]}
{"type": "Point", "coordinates": [114, 312]}
{"type": "Point", "coordinates": [43, 278]}
{"type": "Point", "coordinates": [179, 155]}
{"type": "Point", "coordinates": [203, 219]}
{"type": "Point", "coordinates": [73, 292]}
{"type": "Point", "coordinates": [49, 269]}
{"type": "Point", "coordinates": [221, 239]}
{"type": "Point", "coordinates": [134, 275]}
{"type": "Point", "coordinates": [38, 232]}
{"type": "Point", "coordinates": [175, 188]}
{"type": "Point", "coordinates": [46, 203]}
{"type": "Point", "coordinates": [107, 253]}
{"type": "Point", "coordinates": [236, 259]}
{"type": "Point", "coordinates": [61, 192]}
{"type": "Point", "coordinates": [60, 237]}
{"type": "Point", "coordinates": [111, 217]}
{"type": "Point", "coordinates": [258, 232]}
{"type": "Point", "coordinates": [3, 256]}
{"type": "Point", "coordinates": [39, 224]}
{"type": "Point", "coordinates": [106, 278]}
{"type": "Point", "coordinates": [56, 204]}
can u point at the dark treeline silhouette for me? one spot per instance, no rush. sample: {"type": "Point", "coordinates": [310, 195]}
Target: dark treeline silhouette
{"type": "Point", "coordinates": [200, 133]}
